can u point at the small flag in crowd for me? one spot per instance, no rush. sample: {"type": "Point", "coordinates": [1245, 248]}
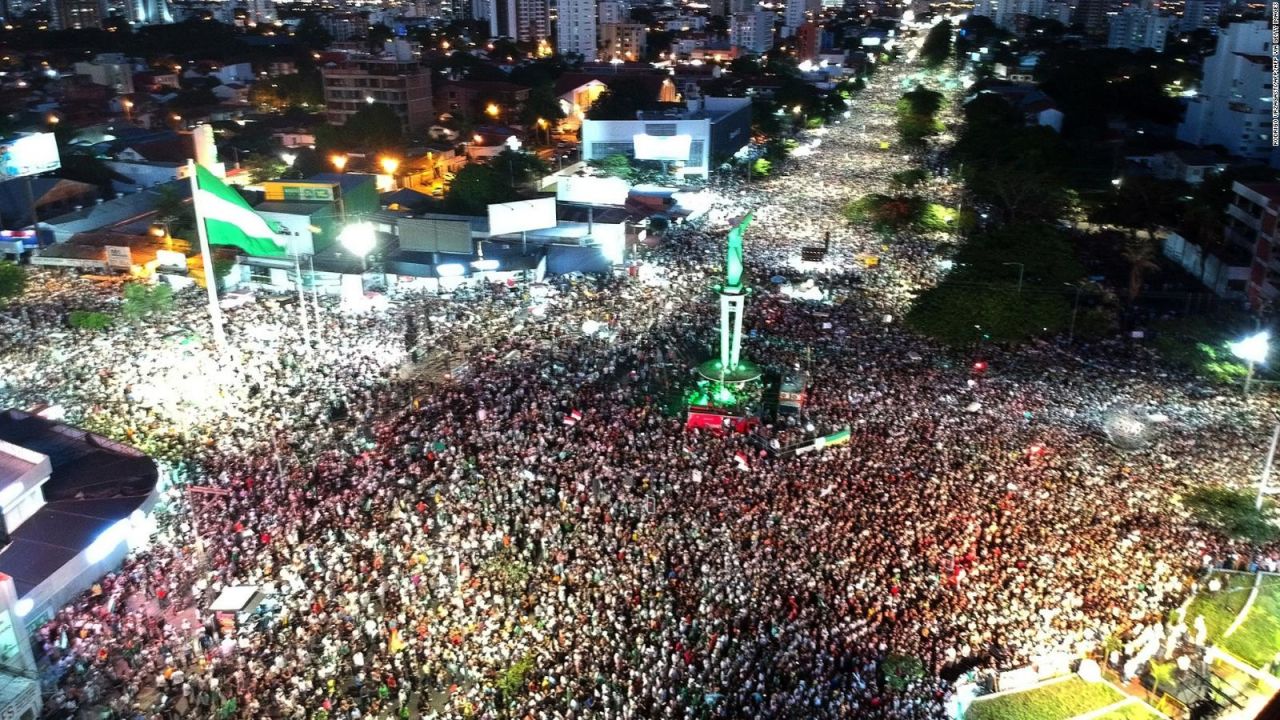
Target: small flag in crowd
{"type": "Point", "coordinates": [572, 418]}
{"type": "Point", "coordinates": [741, 457]}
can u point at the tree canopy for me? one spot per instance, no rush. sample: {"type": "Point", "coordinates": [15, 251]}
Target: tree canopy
{"type": "Point", "coordinates": [937, 44]}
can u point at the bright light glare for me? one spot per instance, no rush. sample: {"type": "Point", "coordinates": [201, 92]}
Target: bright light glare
{"type": "Point", "coordinates": [359, 238]}
{"type": "Point", "coordinates": [1254, 348]}
{"type": "Point", "coordinates": [485, 264]}
{"type": "Point", "coordinates": [23, 607]}
{"type": "Point", "coordinates": [450, 270]}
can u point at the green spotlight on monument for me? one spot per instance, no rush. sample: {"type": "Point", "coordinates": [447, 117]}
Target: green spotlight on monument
{"type": "Point", "coordinates": [731, 368]}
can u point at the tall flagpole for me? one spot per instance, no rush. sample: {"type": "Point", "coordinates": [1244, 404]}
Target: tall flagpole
{"type": "Point", "coordinates": [210, 280]}
{"type": "Point", "coordinates": [302, 304]}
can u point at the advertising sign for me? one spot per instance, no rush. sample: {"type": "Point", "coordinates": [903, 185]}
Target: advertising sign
{"type": "Point", "coordinates": [522, 215]}
{"type": "Point", "coordinates": [662, 147]}
{"type": "Point", "coordinates": [119, 257]}
{"type": "Point", "coordinates": [29, 154]}
{"type": "Point", "coordinates": [593, 190]}
{"type": "Point", "coordinates": [299, 191]}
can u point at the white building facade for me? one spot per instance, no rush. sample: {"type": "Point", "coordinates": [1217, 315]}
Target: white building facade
{"type": "Point", "coordinates": [1136, 29]}
{"type": "Point", "coordinates": [1233, 106]}
{"type": "Point", "coordinates": [752, 31]}
{"type": "Point", "coordinates": [576, 28]}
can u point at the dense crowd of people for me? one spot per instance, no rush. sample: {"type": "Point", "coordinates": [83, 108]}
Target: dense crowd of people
{"type": "Point", "coordinates": [540, 536]}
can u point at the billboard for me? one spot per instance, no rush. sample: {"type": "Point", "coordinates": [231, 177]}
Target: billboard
{"type": "Point", "coordinates": [662, 147]}
{"type": "Point", "coordinates": [119, 257]}
{"type": "Point", "coordinates": [29, 154]}
{"type": "Point", "coordinates": [299, 191]}
{"type": "Point", "coordinates": [522, 215]}
{"type": "Point", "coordinates": [431, 235]}
{"type": "Point", "coordinates": [593, 190]}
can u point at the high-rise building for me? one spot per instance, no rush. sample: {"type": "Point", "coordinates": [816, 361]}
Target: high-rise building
{"type": "Point", "coordinates": [520, 20]}
{"type": "Point", "coordinates": [612, 11]}
{"type": "Point", "coordinates": [808, 41]}
{"type": "Point", "coordinates": [77, 14]}
{"type": "Point", "coordinates": [260, 11]}
{"type": "Point", "coordinates": [794, 14]}
{"type": "Point", "coordinates": [1136, 29]}
{"type": "Point", "coordinates": [1233, 106]}
{"type": "Point", "coordinates": [1092, 15]}
{"type": "Point", "coordinates": [743, 6]}
{"type": "Point", "coordinates": [752, 31]}
{"type": "Point", "coordinates": [576, 28]}
{"type": "Point", "coordinates": [1197, 14]}
{"type": "Point", "coordinates": [398, 82]}
{"type": "Point", "coordinates": [626, 41]}
{"type": "Point", "coordinates": [150, 12]}
{"type": "Point", "coordinates": [1001, 12]}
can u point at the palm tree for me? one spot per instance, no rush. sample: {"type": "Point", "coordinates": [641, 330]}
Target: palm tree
{"type": "Point", "coordinates": [1140, 253]}
{"type": "Point", "coordinates": [1161, 674]}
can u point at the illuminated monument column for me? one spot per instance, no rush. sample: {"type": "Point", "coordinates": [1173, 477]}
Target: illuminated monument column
{"type": "Point", "coordinates": [731, 367]}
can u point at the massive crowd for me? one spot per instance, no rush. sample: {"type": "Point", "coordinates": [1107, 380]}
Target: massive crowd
{"type": "Point", "coordinates": [538, 537]}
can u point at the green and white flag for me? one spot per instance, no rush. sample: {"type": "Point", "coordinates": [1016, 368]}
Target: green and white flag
{"type": "Point", "coordinates": [229, 220]}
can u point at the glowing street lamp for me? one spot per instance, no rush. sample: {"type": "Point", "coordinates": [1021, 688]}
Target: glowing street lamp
{"type": "Point", "coordinates": [289, 158]}
{"type": "Point", "coordinates": [492, 110]}
{"type": "Point", "coordinates": [339, 161]}
{"type": "Point", "coordinates": [1253, 350]}
{"type": "Point", "coordinates": [389, 166]}
{"type": "Point", "coordinates": [359, 239]}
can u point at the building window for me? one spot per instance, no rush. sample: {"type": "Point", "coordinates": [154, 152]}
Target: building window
{"type": "Point", "coordinates": [663, 130]}
{"type": "Point", "coordinates": [259, 274]}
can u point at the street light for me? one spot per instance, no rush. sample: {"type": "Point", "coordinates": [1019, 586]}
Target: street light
{"type": "Point", "coordinates": [289, 158]}
{"type": "Point", "coordinates": [389, 166]}
{"type": "Point", "coordinates": [492, 110]}
{"type": "Point", "coordinates": [360, 239]}
{"type": "Point", "coordinates": [1253, 350]}
{"type": "Point", "coordinates": [339, 161]}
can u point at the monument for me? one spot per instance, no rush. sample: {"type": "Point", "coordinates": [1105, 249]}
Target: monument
{"type": "Point", "coordinates": [729, 391]}
{"type": "Point", "coordinates": [731, 368]}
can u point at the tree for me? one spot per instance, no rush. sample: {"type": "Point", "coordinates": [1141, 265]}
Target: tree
{"type": "Point", "coordinates": [621, 101]}
{"type": "Point", "coordinates": [1232, 513]}
{"type": "Point", "coordinates": [88, 320]}
{"type": "Point", "coordinates": [521, 167]}
{"type": "Point", "coordinates": [1140, 254]}
{"type": "Point", "coordinates": [264, 166]}
{"type": "Point", "coordinates": [1161, 676]}
{"type": "Point", "coordinates": [311, 33]}
{"type": "Point", "coordinates": [475, 187]}
{"type": "Point", "coordinates": [175, 212]}
{"type": "Point", "coordinates": [142, 302]}
{"type": "Point", "coordinates": [373, 127]}
{"type": "Point", "coordinates": [921, 101]}
{"type": "Point", "coordinates": [981, 296]}
{"type": "Point", "coordinates": [13, 280]}
{"type": "Point", "coordinates": [937, 45]}
{"type": "Point", "coordinates": [617, 165]}
{"type": "Point", "coordinates": [541, 105]}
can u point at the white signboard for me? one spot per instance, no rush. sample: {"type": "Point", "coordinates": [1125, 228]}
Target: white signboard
{"type": "Point", "coordinates": [522, 215]}
{"type": "Point", "coordinates": [662, 147]}
{"type": "Point", "coordinates": [28, 155]}
{"type": "Point", "coordinates": [119, 257]}
{"type": "Point", "coordinates": [593, 190]}
{"type": "Point", "coordinates": [170, 259]}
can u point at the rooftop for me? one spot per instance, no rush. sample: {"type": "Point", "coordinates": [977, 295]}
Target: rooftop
{"type": "Point", "coordinates": [95, 483]}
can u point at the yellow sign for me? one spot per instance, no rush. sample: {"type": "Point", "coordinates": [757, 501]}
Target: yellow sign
{"type": "Point", "coordinates": [307, 192]}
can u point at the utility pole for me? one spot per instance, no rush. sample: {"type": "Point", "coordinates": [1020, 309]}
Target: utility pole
{"type": "Point", "coordinates": [1266, 469]}
{"type": "Point", "coordinates": [1021, 269]}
